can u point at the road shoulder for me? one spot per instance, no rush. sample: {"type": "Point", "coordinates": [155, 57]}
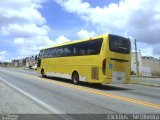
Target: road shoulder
{"type": "Point", "coordinates": [13, 102]}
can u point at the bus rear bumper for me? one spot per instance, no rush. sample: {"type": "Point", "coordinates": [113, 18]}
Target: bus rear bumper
{"type": "Point", "coordinates": [115, 80]}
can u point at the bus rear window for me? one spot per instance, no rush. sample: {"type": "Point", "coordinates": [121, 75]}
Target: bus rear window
{"type": "Point", "coordinates": [119, 44]}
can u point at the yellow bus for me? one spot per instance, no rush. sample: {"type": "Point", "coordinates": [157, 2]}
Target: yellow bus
{"type": "Point", "coordinates": [103, 59]}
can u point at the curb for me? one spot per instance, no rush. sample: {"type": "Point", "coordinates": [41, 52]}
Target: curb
{"type": "Point", "coordinates": [145, 83]}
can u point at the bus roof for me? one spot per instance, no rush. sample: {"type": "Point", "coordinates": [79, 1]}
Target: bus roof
{"type": "Point", "coordinates": [75, 41]}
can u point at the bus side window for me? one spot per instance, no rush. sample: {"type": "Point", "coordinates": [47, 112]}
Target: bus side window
{"type": "Point", "coordinates": [93, 47]}
{"type": "Point", "coordinates": [82, 52]}
{"type": "Point", "coordinates": [67, 51]}
{"type": "Point", "coordinates": [74, 52]}
{"type": "Point", "coordinates": [49, 53]}
{"type": "Point", "coordinates": [81, 49]}
{"type": "Point", "coordinates": [59, 52]}
{"type": "Point", "coordinates": [40, 54]}
{"type": "Point", "coordinates": [45, 55]}
{"type": "Point", "coordinates": [39, 58]}
{"type": "Point", "coordinates": [90, 52]}
{"type": "Point", "coordinates": [52, 52]}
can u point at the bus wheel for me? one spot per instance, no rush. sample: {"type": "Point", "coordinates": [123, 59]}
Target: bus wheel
{"type": "Point", "coordinates": [75, 78]}
{"type": "Point", "coordinates": [43, 74]}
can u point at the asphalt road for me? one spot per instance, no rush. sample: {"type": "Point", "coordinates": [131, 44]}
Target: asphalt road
{"type": "Point", "coordinates": [60, 96]}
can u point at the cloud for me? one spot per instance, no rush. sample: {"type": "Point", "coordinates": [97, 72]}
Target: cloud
{"type": "Point", "coordinates": [19, 41]}
{"type": "Point", "coordinates": [61, 39]}
{"type": "Point", "coordinates": [85, 34]}
{"type": "Point", "coordinates": [30, 46]}
{"type": "Point", "coordinates": [3, 56]}
{"type": "Point", "coordinates": [21, 11]}
{"type": "Point", "coordinates": [23, 25]}
{"type": "Point", "coordinates": [24, 30]}
{"type": "Point", "coordinates": [137, 18]}
{"type": "Point", "coordinates": [156, 50]}
{"type": "Point", "coordinates": [22, 18]}
{"type": "Point", "coordinates": [74, 6]}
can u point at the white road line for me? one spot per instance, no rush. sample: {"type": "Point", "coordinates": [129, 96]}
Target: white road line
{"type": "Point", "coordinates": [52, 110]}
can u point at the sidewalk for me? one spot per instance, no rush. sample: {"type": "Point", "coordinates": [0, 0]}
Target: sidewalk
{"type": "Point", "coordinates": [146, 81]}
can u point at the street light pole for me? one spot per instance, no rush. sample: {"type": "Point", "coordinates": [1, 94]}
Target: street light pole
{"type": "Point", "coordinates": [136, 57]}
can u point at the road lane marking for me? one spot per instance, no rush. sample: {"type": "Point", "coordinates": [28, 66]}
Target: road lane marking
{"type": "Point", "coordinates": [50, 109]}
{"type": "Point", "coordinates": [148, 104]}
{"type": "Point", "coordinates": [132, 100]}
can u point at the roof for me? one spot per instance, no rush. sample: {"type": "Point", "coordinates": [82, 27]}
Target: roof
{"type": "Point", "coordinates": [76, 41]}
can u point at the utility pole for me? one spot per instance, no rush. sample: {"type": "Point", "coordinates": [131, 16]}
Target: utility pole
{"type": "Point", "coordinates": [136, 57]}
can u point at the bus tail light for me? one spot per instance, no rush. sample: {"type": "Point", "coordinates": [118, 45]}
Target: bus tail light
{"type": "Point", "coordinates": [104, 66]}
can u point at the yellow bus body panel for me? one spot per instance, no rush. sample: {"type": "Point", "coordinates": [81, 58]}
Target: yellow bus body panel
{"type": "Point", "coordinates": [89, 66]}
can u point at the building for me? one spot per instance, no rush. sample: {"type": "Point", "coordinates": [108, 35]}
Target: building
{"type": "Point", "coordinates": [30, 62]}
{"type": "Point", "coordinates": [153, 64]}
{"type": "Point", "coordinates": [26, 62]}
{"type": "Point", "coordinates": [18, 62]}
{"type": "Point", "coordinates": [148, 66]}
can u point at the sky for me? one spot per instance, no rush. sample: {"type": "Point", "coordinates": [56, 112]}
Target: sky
{"type": "Point", "coordinates": [26, 26]}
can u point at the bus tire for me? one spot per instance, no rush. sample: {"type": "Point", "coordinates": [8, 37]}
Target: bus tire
{"type": "Point", "coordinates": [75, 78]}
{"type": "Point", "coordinates": [43, 74]}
